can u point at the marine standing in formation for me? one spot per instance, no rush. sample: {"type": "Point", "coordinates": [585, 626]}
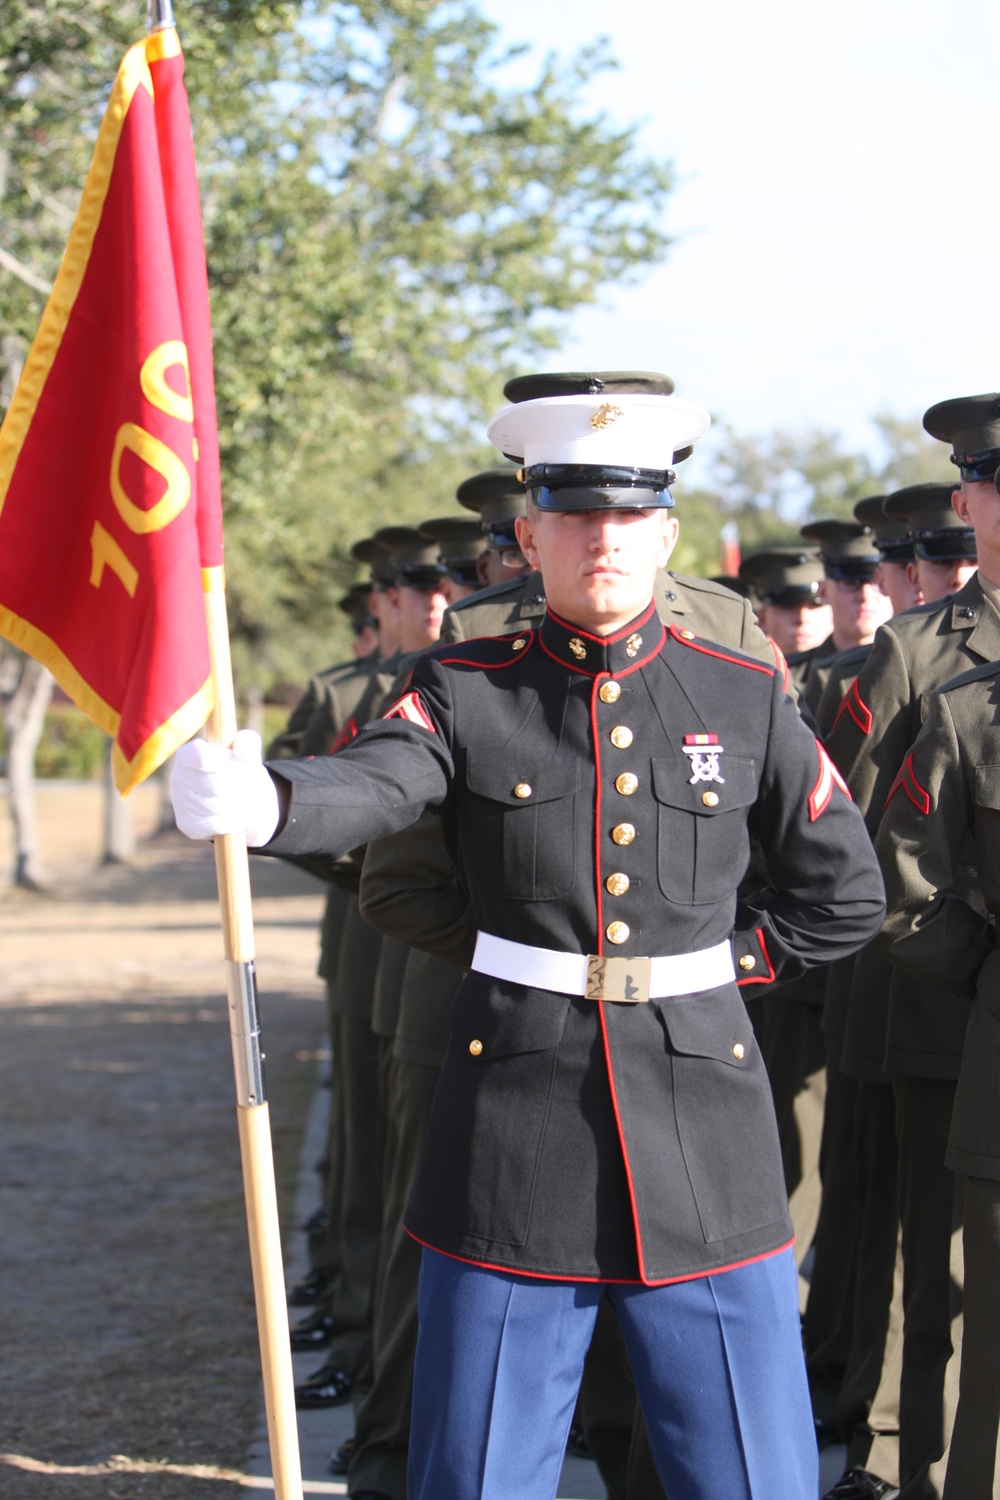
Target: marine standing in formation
{"type": "Point", "coordinates": [601, 1025]}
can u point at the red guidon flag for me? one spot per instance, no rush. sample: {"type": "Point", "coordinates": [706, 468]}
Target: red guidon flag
{"type": "Point", "coordinates": [110, 504]}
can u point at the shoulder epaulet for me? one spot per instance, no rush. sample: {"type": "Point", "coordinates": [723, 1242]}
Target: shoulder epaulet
{"type": "Point", "coordinates": [496, 592]}
{"type": "Point", "coordinates": [487, 652]}
{"type": "Point", "coordinates": [983, 673]}
{"type": "Point", "coordinates": [711, 648]}
{"type": "Point", "coordinates": [706, 586]}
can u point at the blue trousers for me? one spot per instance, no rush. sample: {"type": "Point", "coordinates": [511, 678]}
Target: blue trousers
{"type": "Point", "coordinates": [717, 1363]}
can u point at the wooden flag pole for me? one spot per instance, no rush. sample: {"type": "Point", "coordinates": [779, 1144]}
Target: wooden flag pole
{"type": "Point", "coordinates": [232, 870]}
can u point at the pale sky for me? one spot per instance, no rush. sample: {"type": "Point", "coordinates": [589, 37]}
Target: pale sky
{"type": "Point", "coordinates": [836, 217]}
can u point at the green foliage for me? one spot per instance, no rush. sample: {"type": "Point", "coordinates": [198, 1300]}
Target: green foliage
{"type": "Point", "coordinates": [398, 213]}
{"type": "Point", "coordinates": [70, 745]}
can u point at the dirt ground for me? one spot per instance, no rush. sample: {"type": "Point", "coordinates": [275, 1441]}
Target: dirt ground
{"type": "Point", "coordinates": [128, 1351]}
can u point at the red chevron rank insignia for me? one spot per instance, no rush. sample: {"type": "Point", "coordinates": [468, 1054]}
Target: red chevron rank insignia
{"type": "Point", "coordinates": [410, 707]}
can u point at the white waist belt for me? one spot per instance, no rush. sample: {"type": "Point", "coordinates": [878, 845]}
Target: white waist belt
{"type": "Point", "coordinates": [604, 978]}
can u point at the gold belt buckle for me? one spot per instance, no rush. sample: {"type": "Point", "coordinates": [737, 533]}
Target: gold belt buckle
{"type": "Point", "coordinates": [622, 980]}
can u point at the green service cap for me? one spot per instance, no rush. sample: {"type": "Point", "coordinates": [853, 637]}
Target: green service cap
{"type": "Point", "coordinates": [783, 575]}
{"type": "Point", "coordinates": [971, 424]}
{"type": "Point", "coordinates": [891, 536]}
{"type": "Point", "coordinates": [460, 543]}
{"type": "Point", "coordinates": [414, 556]}
{"type": "Point", "coordinates": [369, 551]}
{"type": "Point", "coordinates": [846, 547]}
{"type": "Point", "coordinates": [499, 498]}
{"type": "Point", "coordinates": [937, 533]}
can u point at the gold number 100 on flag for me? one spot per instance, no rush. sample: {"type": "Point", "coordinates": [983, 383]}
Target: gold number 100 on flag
{"type": "Point", "coordinates": [105, 551]}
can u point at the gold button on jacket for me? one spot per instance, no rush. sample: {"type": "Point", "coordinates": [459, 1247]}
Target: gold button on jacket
{"type": "Point", "coordinates": [626, 783]}
{"type": "Point", "coordinates": [621, 737]}
{"type": "Point", "coordinates": [623, 833]}
{"type": "Point", "coordinates": [609, 692]}
{"type": "Point", "coordinates": [617, 932]}
{"type": "Point", "coordinates": [617, 883]}
{"type": "Point", "coordinates": [522, 789]}
{"type": "Point", "coordinates": [476, 1047]}
{"type": "Point", "coordinates": [748, 962]}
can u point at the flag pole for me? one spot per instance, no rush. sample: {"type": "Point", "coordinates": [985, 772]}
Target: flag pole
{"type": "Point", "coordinates": [232, 870]}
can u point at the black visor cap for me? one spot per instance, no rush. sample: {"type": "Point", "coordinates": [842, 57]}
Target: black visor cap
{"type": "Point", "coordinates": [952, 544]}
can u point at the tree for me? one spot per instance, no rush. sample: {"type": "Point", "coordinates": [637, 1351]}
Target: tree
{"type": "Point", "coordinates": [398, 214]}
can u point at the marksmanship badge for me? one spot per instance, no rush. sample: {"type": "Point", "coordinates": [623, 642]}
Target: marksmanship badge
{"type": "Point", "coordinates": [704, 750]}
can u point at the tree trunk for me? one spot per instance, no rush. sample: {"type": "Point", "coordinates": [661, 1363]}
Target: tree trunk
{"type": "Point", "coordinates": [24, 715]}
{"type": "Point", "coordinates": [166, 823]}
{"type": "Point", "coordinates": [119, 830]}
{"type": "Point", "coordinates": [255, 710]}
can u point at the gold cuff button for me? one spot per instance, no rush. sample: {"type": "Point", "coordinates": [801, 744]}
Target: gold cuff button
{"type": "Point", "coordinates": [617, 884]}
{"type": "Point", "coordinates": [621, 737]}
{"type": "Point", "coordinates": [686, 635]}
{"type": "Point", "coordinates": [623, 833]}
{"type": "Point", "coordinates": [710, 799]}
{"type": "Point", "coordinates": [739, 1051]}
{"type": "Point", "coordinates": [626, 783]}
{"type": "Point", "coordinates": [609, 692]}
{"type": "Point", "coordinates": [519, 644]}
{"type": "Point", "coordinates": [475, 1047]}
{"type": "Point", "coordinates": [617, 932]}
{"type": "Point", "coordinates": [522, 789]}
{"type": "Point", "coordinates": [748, 962]}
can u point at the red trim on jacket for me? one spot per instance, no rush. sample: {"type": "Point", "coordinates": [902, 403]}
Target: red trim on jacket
{"type": "Point", "coordinates": [907, 779]}
{"type": "Point", "coordinates": [760, 978]}
{"type": "Point", "coordinates": [346, 735]}
{"type": "Point", "coordinates": [621, 1139]}
{"type": "Point", "coordinates": [854, 704]}
{"type": "Point", "coordinates": [604, 640]}
{"type": "Point", "coordinates": [486, 1265]}
{"type": "Point", "coordinates": [598, 814]}
{"type": "Point", "coordinates": [466, 661]}
{"type": "Point", "coordinates": [829, 777]}
{"type": "Point", "coordinates": [685, 639]}
{"type": "Point", "coordinates": [410, 708]}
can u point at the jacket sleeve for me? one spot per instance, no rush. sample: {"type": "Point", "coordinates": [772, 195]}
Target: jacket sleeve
{"type": "Point", "coordinates": [378, 784]}
{"type": "Point", "coordinates": [874, 727]}
{"type": "Point", "coordinates": [824, 899]}
{"type": "Point", "coordinates": [929, 929]}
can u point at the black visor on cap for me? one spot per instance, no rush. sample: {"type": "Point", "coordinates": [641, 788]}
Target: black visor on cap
{"type": "Point", "coordinates": [595, 486]}
{"type": "Point", "coordinates": [978, 466]}
{"type": "Point", "coordinates": [421, 575]}
{"type": "Point", "coordinates": [788, 595]}
{"type": "Point", "coordinates": [851, 569]}
{"type": "Point", "coordinates": [898, 550]}
{"type": "Point", "coordinates": [462, 569]}
{"type": "Point", "coordinates": [950, 544]}
{"type": "Point", "coordinates": [503, 537]}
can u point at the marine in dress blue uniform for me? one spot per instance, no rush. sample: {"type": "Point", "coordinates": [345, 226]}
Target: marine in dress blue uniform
{"type": "Point", "coordinates": [603, 1119]}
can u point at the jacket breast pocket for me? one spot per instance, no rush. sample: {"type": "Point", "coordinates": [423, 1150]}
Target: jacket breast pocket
{"type": "Point", "coordinates": [702, 841]}
{"type": "Point", "coordinates": [533, 808]}
{"type": "Point", "coordinates": [988, 816]}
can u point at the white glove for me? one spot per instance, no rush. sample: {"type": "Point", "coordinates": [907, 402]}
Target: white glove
{"type": "Point", "coordinates": [215, 790]}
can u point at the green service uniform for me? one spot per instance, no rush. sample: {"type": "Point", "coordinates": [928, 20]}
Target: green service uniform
{"type": "Point", "coordinates": [949, 791]}
{"type": "Point", "coordinates": [913, 654]}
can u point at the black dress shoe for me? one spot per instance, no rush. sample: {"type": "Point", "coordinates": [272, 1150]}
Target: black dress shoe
{"type": "Point", "coordinates": [310, 1289]}
{"type": "Point", "coordinates": [329, 1386]}
{"type": "Point", "coordinates": [340, 1458]}
{"type": "Point", "coordinates": [859, 1484]}
{"type": "Point", "coordinates": [314, 1332]}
